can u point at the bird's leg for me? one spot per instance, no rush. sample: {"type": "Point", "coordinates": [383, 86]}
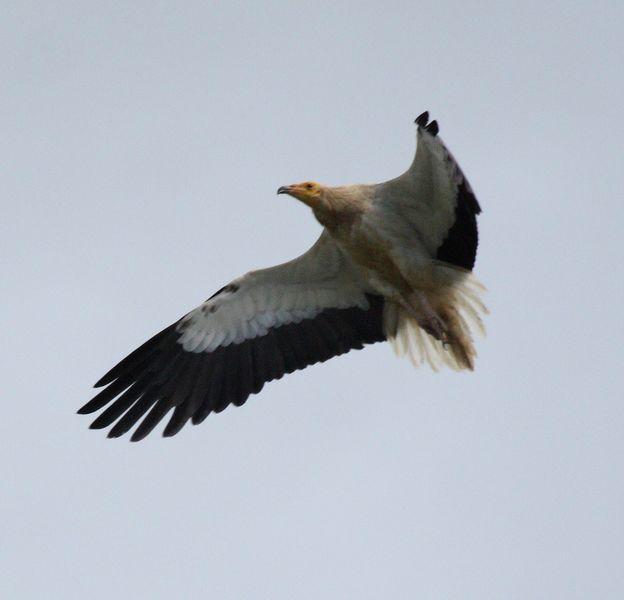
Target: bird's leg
{"type": "Point", "coordinates": [417, 304]}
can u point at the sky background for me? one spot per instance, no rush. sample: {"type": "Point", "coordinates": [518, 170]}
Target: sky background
{"type": "Point", "coordinates": [142, 144]}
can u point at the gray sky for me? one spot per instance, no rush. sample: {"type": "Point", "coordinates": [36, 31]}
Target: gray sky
{"type": "Point", "coordinates": [142, 144]}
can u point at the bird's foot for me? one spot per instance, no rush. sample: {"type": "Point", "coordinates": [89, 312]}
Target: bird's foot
{"type": "Point", "coordinates": [426, 317]}
{"type": "Point", "coordinates": [436, 327]}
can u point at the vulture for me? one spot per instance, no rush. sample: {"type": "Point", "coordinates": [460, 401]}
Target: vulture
{"type": "Point", "coordinates": [394, 262]}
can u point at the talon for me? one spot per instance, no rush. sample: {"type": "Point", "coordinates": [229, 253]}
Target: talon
{"type": "Point", "coordinates": [435, 327]}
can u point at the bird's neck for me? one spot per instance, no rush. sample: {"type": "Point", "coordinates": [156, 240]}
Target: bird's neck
{"type": "Point", "coordinates": [338, 208]}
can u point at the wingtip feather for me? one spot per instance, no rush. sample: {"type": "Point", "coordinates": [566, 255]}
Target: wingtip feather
{"type": "Point", "coordinates": [139, 435]}
{"type": "Point", "coordinates": [422, 119]}
{"type": "Point", "coordinates": [433, 128]}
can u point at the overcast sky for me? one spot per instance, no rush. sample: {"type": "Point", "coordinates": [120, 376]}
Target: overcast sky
{"type": "Point", "coordinates": [142, 144]}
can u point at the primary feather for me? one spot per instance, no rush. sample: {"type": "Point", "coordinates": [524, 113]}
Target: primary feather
{"type": "Point", "coordinates": [393, 262]}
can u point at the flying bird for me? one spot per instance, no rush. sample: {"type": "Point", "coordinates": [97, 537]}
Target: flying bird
{"type": "Point", "coordinates": [394, 262]}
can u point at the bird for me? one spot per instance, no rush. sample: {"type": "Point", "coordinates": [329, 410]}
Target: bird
{"type": "Point", "coordinates": [393, 263]}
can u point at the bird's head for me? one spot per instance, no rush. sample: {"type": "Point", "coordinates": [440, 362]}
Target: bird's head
{"type": "Point", "coordinates": [309, 192]}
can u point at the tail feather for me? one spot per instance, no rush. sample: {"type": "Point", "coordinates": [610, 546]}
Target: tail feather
{"type": "Point", "coordinates": [458, 303]}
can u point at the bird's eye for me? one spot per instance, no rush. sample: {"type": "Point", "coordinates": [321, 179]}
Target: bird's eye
{"type": "Point", "coordinates": [309, 186]}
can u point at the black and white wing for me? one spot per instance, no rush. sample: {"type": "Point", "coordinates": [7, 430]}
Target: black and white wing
{"type": "Point", "coordinates": [434, 196]}
{"type": "Point", "coordinates": [255, 329]}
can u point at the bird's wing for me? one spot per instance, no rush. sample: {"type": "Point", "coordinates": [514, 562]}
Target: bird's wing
{"type": "Point", "coordinates": [255, 329]}
{"type": "Point", "coordinates": [435, 199]}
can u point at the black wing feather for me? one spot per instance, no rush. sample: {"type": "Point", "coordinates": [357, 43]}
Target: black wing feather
{"type": "Point", "coordinates": [161, 376]}
{"type": "Point", "coordinates": [460, 246]}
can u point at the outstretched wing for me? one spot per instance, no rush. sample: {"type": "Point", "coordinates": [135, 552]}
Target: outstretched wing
{"type": "Point", "coordinates": [436, 200]}
{"type": "Point", "coordinates": [253, 330]}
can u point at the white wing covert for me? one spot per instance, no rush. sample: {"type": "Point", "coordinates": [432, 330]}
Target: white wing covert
{"type": "Point", "coordinates": [436, 200]}
{"type": "Point", "coordinates": [430, 212]}
{"type": "Point", "coordinates": [255, 329]}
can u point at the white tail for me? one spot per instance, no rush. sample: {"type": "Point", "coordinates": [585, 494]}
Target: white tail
{"type": "Point", "coordinates": [457, 302]}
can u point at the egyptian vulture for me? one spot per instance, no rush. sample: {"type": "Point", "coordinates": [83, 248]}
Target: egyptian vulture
{"type": "Point", "coordinates": [394, 262]}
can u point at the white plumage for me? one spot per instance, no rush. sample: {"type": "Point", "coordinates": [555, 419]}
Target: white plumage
{"type": "Point", "coordinates": [321, 278]}
{"type": "Point", "coordinates": [393, 262]}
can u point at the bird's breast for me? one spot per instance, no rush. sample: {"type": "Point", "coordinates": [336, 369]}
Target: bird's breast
{"type": "Point", "coordinates": [372, 254]}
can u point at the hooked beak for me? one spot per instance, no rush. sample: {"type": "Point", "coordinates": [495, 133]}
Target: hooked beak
{"type": "Point", "coordinates": [285, 189]}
